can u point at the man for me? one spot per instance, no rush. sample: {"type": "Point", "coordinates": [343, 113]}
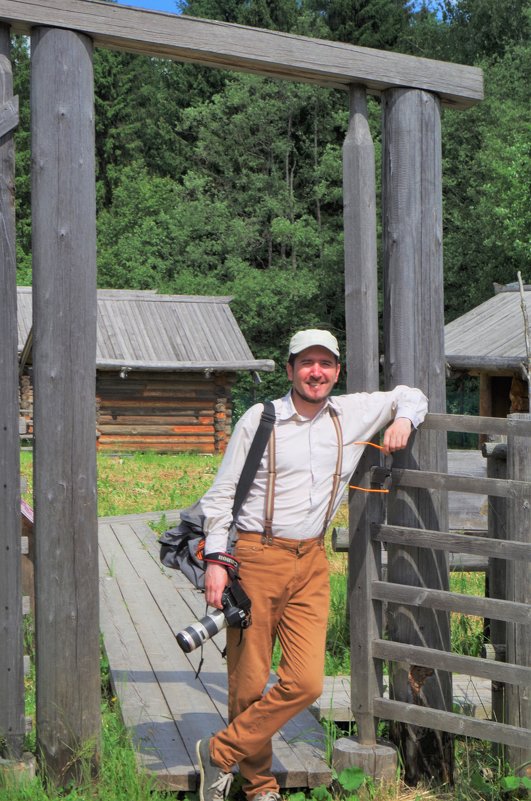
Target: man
{"type": "Point", "coordinates": [280, 548]}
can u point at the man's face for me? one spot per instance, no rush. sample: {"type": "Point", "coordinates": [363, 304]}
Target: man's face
{"type": "Point", "coordinates": [313, 374]}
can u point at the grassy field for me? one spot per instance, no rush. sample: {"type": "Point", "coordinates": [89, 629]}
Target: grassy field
{"type": "Point", "coordinates": [136, 483]}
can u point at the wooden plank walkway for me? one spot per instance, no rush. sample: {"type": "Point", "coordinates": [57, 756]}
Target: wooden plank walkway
{"type": "Point", "coordinates": [166, 709]}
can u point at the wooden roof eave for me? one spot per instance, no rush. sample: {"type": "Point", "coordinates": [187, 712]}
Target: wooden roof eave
{"type": "Point", "coordinates": [124, 365]}
{"type": "Point", "coordinates": [487, 364]}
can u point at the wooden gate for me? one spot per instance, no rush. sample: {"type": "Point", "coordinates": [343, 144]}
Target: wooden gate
{"type": "Point", "coordinates": [507, 543]}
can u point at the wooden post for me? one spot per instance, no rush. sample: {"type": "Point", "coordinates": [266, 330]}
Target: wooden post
{"type": "Point", "coordinates": [496, 578]}
{"type": "Point", "coordinates": [64, 358]}
{"type": "Point", "coordinates": [11, 663]}
{"type": "Point", "coordinates": [518, 699]}
{"type": "Point", "coordinates": [414, 355]}
{"type": "Point", "coordinates": [361, 312]}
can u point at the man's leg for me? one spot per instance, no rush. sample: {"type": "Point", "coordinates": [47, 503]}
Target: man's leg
{"type": "Point", "coordinates": [293, 582]}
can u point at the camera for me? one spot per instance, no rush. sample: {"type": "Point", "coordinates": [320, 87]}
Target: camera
{"type": "Point", "coordinates": [236, 613]}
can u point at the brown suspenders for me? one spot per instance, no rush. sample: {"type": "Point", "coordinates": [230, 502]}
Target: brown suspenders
{"type": "Point", "coordinates": [271, 477]}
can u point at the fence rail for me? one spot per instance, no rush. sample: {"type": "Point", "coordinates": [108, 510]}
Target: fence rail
{"type": "Point", "coordinates": [451, 722]}
{"type": "Point", "coordinates": [465, 424]}
{"type": "Point", "coordinates": [496, 487]}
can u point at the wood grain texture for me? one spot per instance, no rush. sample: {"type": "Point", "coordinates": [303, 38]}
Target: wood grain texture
{"type": "Point", "coordinates": [500, 488]}
{"type": "Point", "coordinates": [518, 699]}
{"type": "Point", "coordinates": [451, 722]}
{"type": "Point", "coordinates": [64, 318]}
{"type": "Point", "coordinates": [12, 724]}
{"type": "Point", "coordinates": [477, 425]}
{"type": "Point", "coordinates": [457, 543]}
{"type": "Point", "coordinates": [469, 665]}
{"type": "Point", "coordinates": [265, 52]}
{"type": "Point", "coordinates": [414, 355]}
{"type": "Point", "coordinates": [496, 576]}
{"type": "Point", "coordinates": [361, 315]}
{"type": "Point", "coordinates": [8, 115]}
{"type": "Point", "coordinates": [489, 337]}
{"type": "Point", "coordinates": [452, 602]}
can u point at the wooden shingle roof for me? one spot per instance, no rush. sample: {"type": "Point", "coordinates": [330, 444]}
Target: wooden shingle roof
{"type": "Point", "coordinates": [143, 330]}
{"type": "Point", "coordinates": [491, 336]}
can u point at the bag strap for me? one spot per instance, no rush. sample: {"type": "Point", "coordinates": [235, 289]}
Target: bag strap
{"type": "Point", "coordinates": [256, 451]}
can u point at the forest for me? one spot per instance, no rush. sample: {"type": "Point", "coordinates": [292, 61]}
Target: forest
{"type": "Point", "coordinates": [213, 182]}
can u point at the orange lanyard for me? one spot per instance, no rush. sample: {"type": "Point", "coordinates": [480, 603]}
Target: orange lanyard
{"type": "Point", "coordinates": [366, 489]}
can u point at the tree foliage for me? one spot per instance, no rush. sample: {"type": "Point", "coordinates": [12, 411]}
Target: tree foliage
{"type": "Point", "coordinates": [214, 182]}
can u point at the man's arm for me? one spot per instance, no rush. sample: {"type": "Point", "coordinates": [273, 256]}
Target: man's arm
{"type": "Point", "coordinates": [217, 502]}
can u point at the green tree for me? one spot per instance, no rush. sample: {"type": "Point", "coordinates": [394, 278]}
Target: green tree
{"type": "Point", "coordinates": [369, 23]}
{"type": "Point", "coordinates": [20, 59]}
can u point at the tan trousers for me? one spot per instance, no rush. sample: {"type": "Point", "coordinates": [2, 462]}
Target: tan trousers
{"type": "Point", "coordinates": [288, 584]}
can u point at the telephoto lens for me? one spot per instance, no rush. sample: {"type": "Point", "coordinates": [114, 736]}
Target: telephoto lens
{"type": "Point", "coordinates": [202, 630]}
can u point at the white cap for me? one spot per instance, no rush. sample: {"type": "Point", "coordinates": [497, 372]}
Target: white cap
{"type": "Point", "coordinates": [311, 337]}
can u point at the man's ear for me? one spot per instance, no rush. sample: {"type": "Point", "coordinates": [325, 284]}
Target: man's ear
{"type": "Point", "coordinates": [289, 371]}
{"type": "Point", "coordinates": [337, 373]}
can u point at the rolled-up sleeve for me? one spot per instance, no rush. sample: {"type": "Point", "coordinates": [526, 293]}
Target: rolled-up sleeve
{"type": "Point", "coordinates": [411, 403]}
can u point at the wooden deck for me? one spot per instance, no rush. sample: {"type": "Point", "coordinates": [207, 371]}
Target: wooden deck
{"type": "Point", "coordinates": [166, 709]}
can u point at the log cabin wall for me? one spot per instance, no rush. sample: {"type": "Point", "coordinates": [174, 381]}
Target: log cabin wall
{"type": "Point", "coordinates": [165, 412]}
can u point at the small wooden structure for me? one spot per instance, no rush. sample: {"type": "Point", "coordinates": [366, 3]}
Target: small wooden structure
{"type": "Point", "coordinates": [63, 34]}
{"type": "Point", "coordinates": [489, 342]}
{"type": "Point", "coordinates": [165, 366]}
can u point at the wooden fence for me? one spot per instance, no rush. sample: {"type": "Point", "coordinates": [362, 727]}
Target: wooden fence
{"type": "Point", "coordinates": [507, 543]}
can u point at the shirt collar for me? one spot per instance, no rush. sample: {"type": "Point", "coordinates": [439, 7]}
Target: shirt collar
{"type": "Point", "coordinates": [288, 410]}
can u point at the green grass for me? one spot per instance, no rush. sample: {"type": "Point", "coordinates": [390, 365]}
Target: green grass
{"type": "Point", "coordinates": [144, 482]}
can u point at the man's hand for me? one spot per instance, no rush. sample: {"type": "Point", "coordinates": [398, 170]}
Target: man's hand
{"type": "Point", "coordinates": [216, 579]}
{"type": "Point", "coordinates": [397, 435]}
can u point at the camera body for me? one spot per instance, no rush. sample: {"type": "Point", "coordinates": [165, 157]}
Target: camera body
{"type": "Point", "coordinates": [236, 613]}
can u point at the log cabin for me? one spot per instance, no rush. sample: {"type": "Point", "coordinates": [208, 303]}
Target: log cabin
{"type": "Point", "coordinates": [165, 368]}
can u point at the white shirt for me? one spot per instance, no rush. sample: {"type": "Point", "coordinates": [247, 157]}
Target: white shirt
{"type": "Point", "coordinates": [306, 456]}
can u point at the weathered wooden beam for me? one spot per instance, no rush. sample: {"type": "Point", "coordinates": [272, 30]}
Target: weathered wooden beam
{"type": "Point", "coordinates": [414, 355]}
{"type": "Point", "coordinates": [413, 714]}
{"type": "Point", "coordinates": [495, 631]}
{"type": "Point", "coordinates": [477, 425]}
{"type": "Point", "coordinates": [265, 365]}
{"type": "Point", "coordinates": [451, 602]}
{"type": "Point", "coordinates": [443, 660]}
{"type": "Point", "coordinates": [64, 315]}
{"type": "Point", "coordinates": [504, 365]}
{"type": "Point", "coordinates": [500, 488]}
{"type": "Point", "coordinates": [361, 316]}
{"type": "Point", "coordinates": [518, 699]}
{"type": "Point", "coordinates": [9, 116]}
{"type": "Point", "coordinates": [272, 53]}
{"type": "Point", "coordinates": [457, 543]}
{"type": "Point", "coordinates": [12, 722]}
